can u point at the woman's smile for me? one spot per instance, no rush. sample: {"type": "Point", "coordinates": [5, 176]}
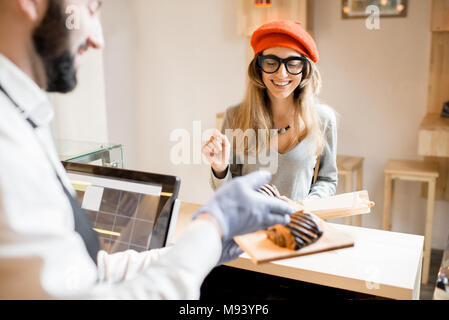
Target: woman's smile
{"type": "Point", "coordinates": [281, 84]}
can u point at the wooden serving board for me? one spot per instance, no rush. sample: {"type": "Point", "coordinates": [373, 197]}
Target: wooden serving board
{"type": "Point", "coordinates": [261, 249]}
{"type": "Point", "coordinates": [343, 205]}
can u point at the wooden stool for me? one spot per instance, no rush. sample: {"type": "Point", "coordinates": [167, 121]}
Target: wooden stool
{"type": "Point", "coordinates": [412, 171]}
{"type": "Point", "coordinates": [347, 166]}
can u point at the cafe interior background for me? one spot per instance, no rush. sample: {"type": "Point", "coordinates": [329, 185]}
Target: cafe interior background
{"type": "Point", "coordinates": [168, 63]}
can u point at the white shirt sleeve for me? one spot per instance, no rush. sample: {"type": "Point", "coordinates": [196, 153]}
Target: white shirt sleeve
{"type": "Point", "coordinates": [215, 182]}
{"type": "Point", "coordinates": [122, 266]}
{"type": "Point", "coordinates": [174, 273]}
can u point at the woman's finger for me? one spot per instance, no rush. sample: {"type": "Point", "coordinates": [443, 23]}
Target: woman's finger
{"type": "Point", "coordinates": [217, 133]}
{"type": "Point", "coordinates": [208, 142]}
{"type": "Point", "coordinates": [208, 152]}
{"type": "Point", "coordinates": [206, 146]}
{"type": "Point", "coordinates": [225, 145]}
{"type": "Point", "coordinates": [217, 145]}
{"type": "Point", "coordinates": [213, 145]}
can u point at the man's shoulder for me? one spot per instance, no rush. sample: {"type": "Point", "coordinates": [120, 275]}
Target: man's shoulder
{"type": "Point", "coordinates": [10, 117]}
{"type": "Point", "coordinates": [17, 138]}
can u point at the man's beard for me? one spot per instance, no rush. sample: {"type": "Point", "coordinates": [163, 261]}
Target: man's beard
{"type": "Point", "coordinates": [61, 73]}
{"type": "Point", "coordinates": [51, 41]}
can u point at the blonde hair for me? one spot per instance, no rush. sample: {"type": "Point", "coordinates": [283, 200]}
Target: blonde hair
{"type": "Point", "coordinates": [255, 112]}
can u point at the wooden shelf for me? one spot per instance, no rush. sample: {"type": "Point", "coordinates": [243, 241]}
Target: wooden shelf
{"type": "Point", "coordinates": [434, 136]}
{"type": "Point", "coordinates": [433, 121]}
{"type": "Point", "coordinates": [433, 141]}
{"type": "Point", "coordinates": [440, 15]}
{"type": "Point", "coordinates": [434, 146]}
{"type": "Point", "coordinates": [439, 72]}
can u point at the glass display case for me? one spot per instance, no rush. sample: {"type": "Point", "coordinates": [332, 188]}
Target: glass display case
{"type": "Point", "coordinates": [101, 154]}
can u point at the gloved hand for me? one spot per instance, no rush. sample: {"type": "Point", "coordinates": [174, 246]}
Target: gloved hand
{"type": "Point", "coordinates": [230, 251]}
{"type": "Point", "coordinates": [240, 209]}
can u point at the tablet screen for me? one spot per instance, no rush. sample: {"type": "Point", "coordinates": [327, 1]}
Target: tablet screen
{"type": "Point", "coordinates": [126, 213]}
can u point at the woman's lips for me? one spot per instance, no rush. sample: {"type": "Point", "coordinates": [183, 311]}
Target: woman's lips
{"type": "Point", "coordinates": [281, 84]}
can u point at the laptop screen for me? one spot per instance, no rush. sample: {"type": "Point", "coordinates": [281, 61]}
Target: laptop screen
{"type": "Point", "coordinates": [128, 209]}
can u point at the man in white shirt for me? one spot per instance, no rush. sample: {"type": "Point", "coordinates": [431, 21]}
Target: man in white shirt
{"type": "Point", "coordinates": [47, 248]}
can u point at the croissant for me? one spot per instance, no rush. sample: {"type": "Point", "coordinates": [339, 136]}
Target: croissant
{"type": "Point", "coordinates": [302, 231]}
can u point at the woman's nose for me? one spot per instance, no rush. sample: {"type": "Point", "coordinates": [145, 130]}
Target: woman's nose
{"type": "Point", "coordinates": [282, 72]}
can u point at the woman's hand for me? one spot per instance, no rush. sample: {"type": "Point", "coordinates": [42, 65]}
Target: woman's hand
{"type": "Point", "coordinates": [217, 152]}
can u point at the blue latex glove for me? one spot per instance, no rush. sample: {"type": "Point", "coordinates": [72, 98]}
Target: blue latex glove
{"type": "Point", "coordinates": [240, 209]}
{"type": "Point", "coordinates": [230, 251]}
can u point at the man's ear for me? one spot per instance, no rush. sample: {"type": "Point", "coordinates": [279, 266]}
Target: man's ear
{"type": "Point", "coordinates": [33, 9]}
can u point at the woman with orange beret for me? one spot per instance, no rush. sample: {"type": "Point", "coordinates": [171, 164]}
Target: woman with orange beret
{"type": "Point", "coordinates": [280, 104]}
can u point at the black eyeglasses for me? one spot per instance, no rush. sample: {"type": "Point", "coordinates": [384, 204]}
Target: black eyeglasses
{"type": "Point", "coordinates": [271, 64]}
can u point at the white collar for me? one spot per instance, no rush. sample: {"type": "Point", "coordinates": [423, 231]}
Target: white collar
{"type": "Point", "coordinates": [25, 92]}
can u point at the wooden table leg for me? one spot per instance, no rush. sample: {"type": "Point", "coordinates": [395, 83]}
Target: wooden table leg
{"type": "Point", "coordinates": [388, 198]}
{"type": "Point", "coordinates": [428, 232]}
{"type": "Point", "coordinates": [359, 187]}
{"type": "Point", "coordinates": [348, 188]}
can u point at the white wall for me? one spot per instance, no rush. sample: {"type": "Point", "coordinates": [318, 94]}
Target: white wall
{"type": "Point", "coordinates": [81, 115]}
{"type": "Point", "coordinates": [170, 62]}
{"type": "Point", "coordinates": [377, 81]}
{"type": "Point", "coordinates": [119, 56]}
{"type": "Point", "coordinates": [188, 64]}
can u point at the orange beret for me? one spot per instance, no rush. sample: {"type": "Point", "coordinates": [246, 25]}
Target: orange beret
{"type": "Point", "coordinates": [285, 33]}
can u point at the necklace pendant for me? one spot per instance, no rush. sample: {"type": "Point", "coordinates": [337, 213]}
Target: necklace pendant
{"type": "Point", "coordinates": [283, 130]}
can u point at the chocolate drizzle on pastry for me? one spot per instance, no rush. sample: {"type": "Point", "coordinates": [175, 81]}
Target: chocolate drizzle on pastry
{"type": "Point", "coordinates": [302, 231]}
{"type": "Point", "coordinates": [304, 227]}
{"type": "Point", "coordinates": [270, 190]}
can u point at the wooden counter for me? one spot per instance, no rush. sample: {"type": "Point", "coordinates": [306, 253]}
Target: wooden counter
{"type": "Point", "coordinates": [382, 263]}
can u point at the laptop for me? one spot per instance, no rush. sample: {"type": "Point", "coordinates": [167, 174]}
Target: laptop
{"type": "Point", "coordinates": [129, 210]}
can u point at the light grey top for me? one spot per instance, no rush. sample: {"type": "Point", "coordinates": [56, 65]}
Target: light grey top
{"type": "Point", "coordinates": [293, 175]}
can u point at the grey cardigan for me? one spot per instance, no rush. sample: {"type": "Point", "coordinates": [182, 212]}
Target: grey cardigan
{"type": "Point", "coordinates": [295, 169]}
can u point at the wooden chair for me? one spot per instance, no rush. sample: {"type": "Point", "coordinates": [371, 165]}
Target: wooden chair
{"type": "Point", "coordinates": [347, 167]}
{"type": "Point", "coordinates": [421, 171]}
